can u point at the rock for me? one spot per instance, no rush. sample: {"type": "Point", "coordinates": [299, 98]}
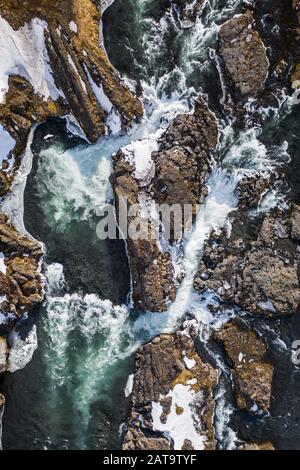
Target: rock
{"type": "Point", "coordinates": [252, 375]}
{"type": "Point", "coordinates": [183, 162]}
{"type": "Point", "coordinates": [176, 175]}
{"type": "Point", "coordinates": [167, 370]}
{"type": "Point", "coordinates": [20, 282]}
{"type": "Point", "coordinates": [261, 275]}
{"type": "Point", "coordinates": [257, 446]}
{"type": "Point", "coordinates": [22, 109]}
{"type": "Point", "coordinates": [3, 355]}
{"type": "Point", "coordinates": [2, 401]}
{"type": "Point", "coordinates": [244, 55]}
{"type": "Point", "coordinates": [295, 233]}
{"type": "Point", "coordinates": [250, 190]}
{"type": "Point", "coordinates": [79, 66]}
{"type": "Point", "coordinates": [188, 10]}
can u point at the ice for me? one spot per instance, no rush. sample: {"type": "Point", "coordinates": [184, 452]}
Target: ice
{"type": "Point", "coordinates": [2, 264]}
{"type": "Point", "coordinates": [7, 143]}
{"type": "Point", "coordinates": [73, 27]}
{"type": "Point", "coordinates": [23, 52]}
{"type": "Point", "coordinates": [129, 386]}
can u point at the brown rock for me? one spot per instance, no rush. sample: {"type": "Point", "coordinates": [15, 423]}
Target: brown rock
{"type": "Point", "coordinates": [167, 362]}
{"type": "Point", "coordinates": [257, 446]}
{"type": "Point", "coordinates": [3, 355]}
{"type": "Point", "coordinates": [2, 401]}
{"type": "Point", "coordinates": [75, 59]}
{"type": "Point", "coordinates": [244, 54]}
{"type": "Point", "coordinates": [181, 167]}
{"type": "Point", "coordinates": [250, 190]}
{"type": "Point", "coordinates": [252, 375]}
{"type": "Point", "coordinates": [261, 275]}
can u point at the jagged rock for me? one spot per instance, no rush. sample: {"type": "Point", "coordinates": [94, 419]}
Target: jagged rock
{"type": "Point", "coordinates": [3, 355]}
{"type": "Point", "coordinates": [80, 68]}
{"type": "Point", "coordinates": [2, 401]}
{"type": "Point", "coordinates": [259, 275]}
{"type": "Point", "coordinates": [244, 54]}
{"type": "Point", "coordinates": [166, 369]}
{"type": "Point", "coordinates": [22, 108]}
{"type": "Point", "coordinates": [252, 375]}
{"type": "Point", "coordinates": [257, 446]}
{"type": "Point", "coordinates": [188, 10]}
{"type": "Point", "coordinates": [21, 285]}
{"type": "Point", "coordinates": [183, 162]}
{"type": "Point", "coordinates": [11, 242]}
{"type": "Point", "coordinates": [177, 176]}
{"type": "Point", "coordinates": [250, 190]}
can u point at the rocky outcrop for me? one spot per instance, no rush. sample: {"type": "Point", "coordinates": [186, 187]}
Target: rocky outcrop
{"type": "Point", "coordinates": [86, 83]}
{"type": "Point", "coordinates": [22, 109]}
{"type": "Point", "coordinates": [183, 161]}
{"type": "Point", "coordinates": [251, 373]}
{"type": "Point", "coordinates": [172, 403]}
{"type": "Point", "coordinates": [260, 274]}
{"type": "Point", "coordinates": [175, 174]}
{"type": "Point", "coordinates": [244, 55]}
{"type": "Point", "coordinates": [251, 189]}
{"type": "Point", "coordinates": [20, 280]}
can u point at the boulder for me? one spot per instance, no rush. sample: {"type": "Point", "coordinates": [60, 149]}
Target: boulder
{"type": "Point", "coordinates": [172, 402]}
{"type": "Point", "coordinates": [80, 67]}
{"type": "Point", "coordinates": [257, 446]}
{"type": "Point", "coordinates": [244, 55]}
{"type": "Point", "coordinates": [251, 373]}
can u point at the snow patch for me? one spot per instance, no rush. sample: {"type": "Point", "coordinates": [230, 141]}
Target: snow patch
{"type": "Point", "coordinates": [24, 53]}
{"type": "Point", "coordinates": [182, 426]}
{"type": "Point", "coordinates": [129, 386]}
{"type": "Point", "coordinates": [73, 27]}
{"type": "Point", "coordinates": [2, 264]}
{"type": "Point", "coordinates": [22, 351]}
{"type": "Point", "coordinates": [7, 143]}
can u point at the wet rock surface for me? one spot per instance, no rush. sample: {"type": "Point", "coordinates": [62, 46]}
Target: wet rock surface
{"type": "Point", "coordinates": [20, 279]}
{"type": "Point", "coordinates": [22, 109]}
{"type": "Point", "coordinates": [259, 275]}
{"type": "Point", "coordinates": [168, 369]}
{"type": "Point", "coordinates": [176, 175]}
{"type": "Point", "coordinates": [251, 373]}
{"type": "Point", "coordinates": [244, 55]}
